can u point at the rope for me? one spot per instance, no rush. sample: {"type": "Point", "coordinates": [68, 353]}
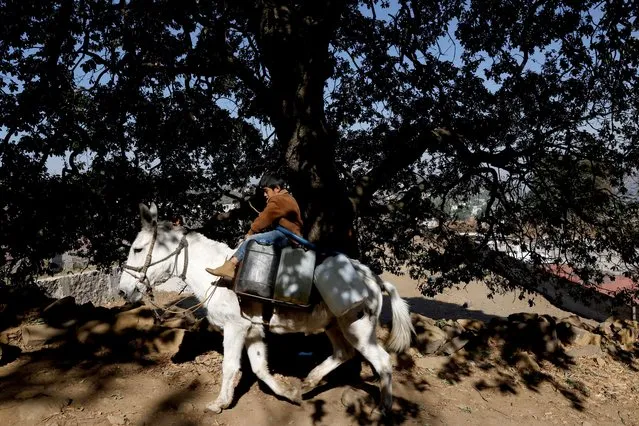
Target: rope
{"type": "Point", "coordinates": [255, 322]}
{"type": "Point", "coordinates": [256, 210]}
{"type": "Point", "coordinates": [192, 309]}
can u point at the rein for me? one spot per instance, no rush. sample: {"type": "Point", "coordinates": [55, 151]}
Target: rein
{"type": "Point", "coordinates": [192, 309]}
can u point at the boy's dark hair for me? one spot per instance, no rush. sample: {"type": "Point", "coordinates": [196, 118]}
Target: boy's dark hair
{"type": "Point", "coordinates": [272, 181]}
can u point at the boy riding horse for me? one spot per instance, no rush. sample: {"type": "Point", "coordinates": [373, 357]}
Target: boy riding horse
{"type": "Point", "coordinates": [281, 209]}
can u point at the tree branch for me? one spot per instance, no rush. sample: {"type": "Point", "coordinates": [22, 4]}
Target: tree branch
{"type": "Point", "coordinates": [407, 147]}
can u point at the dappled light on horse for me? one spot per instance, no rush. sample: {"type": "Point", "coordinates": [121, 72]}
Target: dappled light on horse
{"type": "Point", "coordinates": [156, 250]}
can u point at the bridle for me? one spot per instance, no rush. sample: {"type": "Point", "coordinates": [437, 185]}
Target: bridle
{"type": "Point", "coordinates": [144, 279]}
{"type": "Point", "coordinates": [142, 270]}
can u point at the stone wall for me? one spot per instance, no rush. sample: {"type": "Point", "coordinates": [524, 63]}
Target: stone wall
{"type": "Point", "coordinates": [89, 286]}
{"type": "Point", "coordinates": [93, 286]}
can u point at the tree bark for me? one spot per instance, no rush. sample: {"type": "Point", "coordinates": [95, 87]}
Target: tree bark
{"type": "Point", "coordinates": [294, 41]}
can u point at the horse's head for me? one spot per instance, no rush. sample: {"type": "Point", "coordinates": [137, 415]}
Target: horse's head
{"type": "Point", "coordinates": [152, 256]}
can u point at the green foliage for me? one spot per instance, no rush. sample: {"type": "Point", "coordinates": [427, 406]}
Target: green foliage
{"type": "Point", "coordinates": [381, 114]}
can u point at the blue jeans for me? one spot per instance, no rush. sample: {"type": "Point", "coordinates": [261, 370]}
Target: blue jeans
{"type": "Point", "coordinates": [276, 238]}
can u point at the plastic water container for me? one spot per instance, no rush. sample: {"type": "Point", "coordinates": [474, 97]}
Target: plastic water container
{"type": "Point", "coordinates": [339, 284]}
{"type": "Point", "coordinates": [294, 280]}
{"type": "Point", "coordinates": [257, 272]}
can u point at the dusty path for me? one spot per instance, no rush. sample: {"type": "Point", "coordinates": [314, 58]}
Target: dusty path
{"type": "Point", "coordinates": [469, 301]}
{"type": "Point", "coordinates": [109, 381]}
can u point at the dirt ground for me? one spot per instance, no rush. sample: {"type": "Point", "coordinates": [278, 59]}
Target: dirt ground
{"type": "Point", "coordinates": [112, 380]}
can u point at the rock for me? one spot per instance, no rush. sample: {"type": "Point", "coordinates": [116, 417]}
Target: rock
{"type": "Point", "coordinates": [62, 313]}
{"type": "Point", "coordinates": [93, 327]}
{"type": "Point", "coordinates": [453, 345]}
{"type": "Point", "coordinates": [605, 330]}
{"type": "Point", "coordinates": [549, 318]}
{"type": "Point", "coordinates": [624, 332]}
{"type": "Point", "coordinates": [627, 337]}
{"type": "Point", "coordinates": [547, 326]}
{"type": "Point", "coordinates": [60, 306]}
{"type": "Point", "coordinates": [429, 338]}
{"type": "Point", "coordinates": [498, 326]}
{"type": "Point", "coordinates": [587, 351]}
{"type": "Point", "coordinates": [526, 363]}
{"type": "Point", "coordinates": [532, 332]}
{"type": "Point", "coordinates": [176, 323]}
{"type": "Point", "coordinates": [631, 324]}
{"type": "Point", "coordinates": [611, 348]}
{"type": "Point", "coordinates": [471, 324]}
{"type": "Point", "coordinates": [40, 333]}
{"type": "Point", "coordinates": [140, 318]}
{"type": "Point", "coordinates": [523, 317]}
{"type": "Point", "coordinates": [452, 330]}
{"type": "Point", "coordinates": [420, 320]}
{"type": "Point", "coordinates": [168, 342]}
{"type": "Point", "coordinates": [613, 323]}
{"type": "Point", "coordinates": [575, 321]}
{"type": "Point", "coordinates": [32, 392]}
{"type": "Point", "coordinates": [584, 338]}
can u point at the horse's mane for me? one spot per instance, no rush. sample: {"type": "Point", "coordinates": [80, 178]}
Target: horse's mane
{"type": "Point", "coordinates": [198, 234]}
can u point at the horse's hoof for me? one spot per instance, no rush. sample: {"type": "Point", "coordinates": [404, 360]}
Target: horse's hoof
{"type": "Point", "coordinates": [214, 408]}
{"type": "Point", "coordinates": [384, 412]}
{"type": "Point", "coordinates": [297, 400]}
{"type": "Point", "coordinates": [295, 396]}
{"type": "Point", "coordinates": [307, 387]}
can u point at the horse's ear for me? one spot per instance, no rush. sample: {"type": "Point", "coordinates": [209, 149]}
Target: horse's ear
{"type": "Point", "coordinates": [154, 213]}
{"type": "Point", "coordinates": [146, 216]}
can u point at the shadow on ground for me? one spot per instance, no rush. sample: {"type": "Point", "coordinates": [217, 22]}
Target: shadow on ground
{"type": "Point", "coordinates": [84, 343]}
{"type": "Point", "coordinates": [92, 341]}
{"type": "Point", "coordinates": [506, 352]}
{"type": "Point", "coordinates": [521, 342]}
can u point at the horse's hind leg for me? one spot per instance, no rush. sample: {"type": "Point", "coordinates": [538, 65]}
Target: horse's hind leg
{"type": "Point", "coordinates": [359, 329]}
{"type": "Point", "coordinates": [342, 352]}
{"type": "Point", "coordinates": [256, 349]}
{"type": "Point", "coordinates": [234, 338]}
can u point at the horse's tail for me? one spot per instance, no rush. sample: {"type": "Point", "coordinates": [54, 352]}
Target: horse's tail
{"type": "Point", "coordinates": [402, 329]}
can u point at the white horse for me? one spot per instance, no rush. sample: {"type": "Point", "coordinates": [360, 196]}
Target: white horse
{"type": "Point", "coordinates": [161, 251]}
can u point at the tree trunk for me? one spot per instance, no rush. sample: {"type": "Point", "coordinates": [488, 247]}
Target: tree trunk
{"type": "Point", "coordinates": [294, 43]}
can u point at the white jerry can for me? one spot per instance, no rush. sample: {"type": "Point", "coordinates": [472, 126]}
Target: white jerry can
{"type": "Point", "coordinates": [339, 284]}
{"type": "Point", "coordinates": [294, 276]}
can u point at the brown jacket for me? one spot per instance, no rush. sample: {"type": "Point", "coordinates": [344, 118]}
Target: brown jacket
{"type": "Point", "coordinates": [280, 209]}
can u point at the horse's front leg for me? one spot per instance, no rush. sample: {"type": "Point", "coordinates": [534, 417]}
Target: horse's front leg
{"type": "Point", "coordinates": [256, 349]}
{"type": "Point", "coordinates": [234, 338]}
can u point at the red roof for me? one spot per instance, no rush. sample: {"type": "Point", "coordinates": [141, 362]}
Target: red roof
{"type": "Point", "coordinates": [610, 286]}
